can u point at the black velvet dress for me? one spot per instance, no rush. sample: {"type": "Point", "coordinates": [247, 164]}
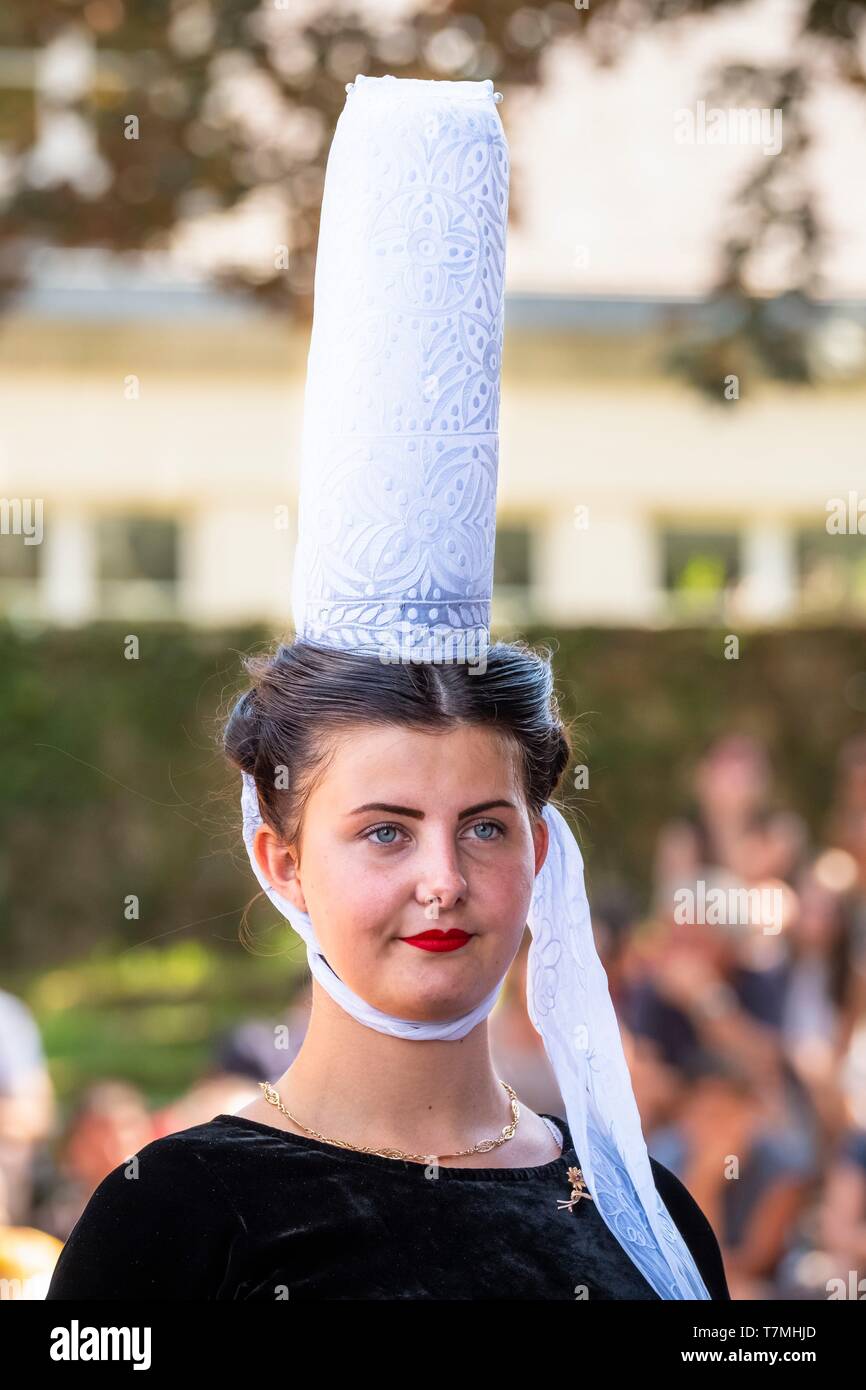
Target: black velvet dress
{"type": "Point", "coordinates": [236, 1209]}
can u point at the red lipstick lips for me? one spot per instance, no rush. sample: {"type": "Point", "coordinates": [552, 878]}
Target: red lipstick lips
{"type": "Point", "coordinates": [434, 939]}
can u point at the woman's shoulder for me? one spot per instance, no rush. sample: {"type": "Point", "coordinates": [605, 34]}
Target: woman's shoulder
{"type": "Point", "coordinates": [694, 1228]}
{"type": "Point", "coordinates": [687, 1216]}
{"type": "Point", "coordinates": [185, 1157]}
{"type": "Point", "coordinates": [157, 1226]}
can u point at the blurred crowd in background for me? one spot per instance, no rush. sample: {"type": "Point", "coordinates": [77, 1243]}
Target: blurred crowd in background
{"type": "Point", "coordinates": [746, 1042]}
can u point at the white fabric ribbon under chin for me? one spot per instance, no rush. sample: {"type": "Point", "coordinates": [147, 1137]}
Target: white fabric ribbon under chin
{"type": "Point", "coordinates": [570, 1007]}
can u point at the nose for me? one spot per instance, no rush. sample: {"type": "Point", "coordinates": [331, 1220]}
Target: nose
{"type": "Point", "coordinates": [442, 887]}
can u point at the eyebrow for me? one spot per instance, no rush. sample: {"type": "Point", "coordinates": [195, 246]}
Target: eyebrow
{"type": "Point", "coordinates": [419, 815]}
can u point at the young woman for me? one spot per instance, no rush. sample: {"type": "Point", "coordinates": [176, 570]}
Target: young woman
{"type": "Point", "coordinates": [398, 813]}
{"type": "Point", "coordinates": [401, 810]}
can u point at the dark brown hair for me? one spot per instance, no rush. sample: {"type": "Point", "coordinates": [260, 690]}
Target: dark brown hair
{"type": "Point", "coordinates": [302, 693]}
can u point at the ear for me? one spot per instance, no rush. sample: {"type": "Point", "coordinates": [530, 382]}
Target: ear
{"type": "Point", "coordinates": [541, 840]}
{"type": "Point", "coordinates": [278, 864]}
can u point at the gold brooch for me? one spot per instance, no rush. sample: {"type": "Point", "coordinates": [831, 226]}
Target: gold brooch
{"type": "Point", "coordinates": [578, 1190]}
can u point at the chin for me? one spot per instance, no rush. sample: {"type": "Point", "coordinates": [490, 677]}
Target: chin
{"type": "Point", "coordinates": [434, 1002]}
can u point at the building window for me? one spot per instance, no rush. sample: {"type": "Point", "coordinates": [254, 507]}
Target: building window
{"type": "Point", "coordinates": [137, 566]}
{"type": "Point", "coordinates": [701, 569]}
{"type": "Point", "coordinates": [831, 571]}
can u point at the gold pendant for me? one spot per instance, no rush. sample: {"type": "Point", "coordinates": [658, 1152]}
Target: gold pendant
{"type": "Point", "coordinates": [578, 1190]}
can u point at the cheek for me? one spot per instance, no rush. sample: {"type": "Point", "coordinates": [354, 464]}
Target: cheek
{"type": "Point", "coordinates": [351, 901]}
{"type": "Point", "coordinates": [504, 895]}
{"type": "Point", "coordinates": [512, 880]}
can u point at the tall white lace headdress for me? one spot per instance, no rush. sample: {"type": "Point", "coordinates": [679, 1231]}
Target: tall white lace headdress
{"type": "Point", "coordinates": [396, 540]}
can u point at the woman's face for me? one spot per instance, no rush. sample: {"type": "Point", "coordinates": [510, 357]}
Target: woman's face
{"type": "Point", "coordinates": [399, 817]}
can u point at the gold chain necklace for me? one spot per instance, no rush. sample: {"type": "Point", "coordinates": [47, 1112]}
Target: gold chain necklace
{"type": "Point", "coordinates": [484, 1146]}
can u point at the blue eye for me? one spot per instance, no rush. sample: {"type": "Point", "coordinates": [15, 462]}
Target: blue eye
{"type": "Point", "coordinates": [375, 831]}
{"type": "Point", "coordinates": [493, 824]}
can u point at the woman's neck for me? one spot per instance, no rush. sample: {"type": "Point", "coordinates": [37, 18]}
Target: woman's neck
{"type": "Point", "coordinates": [351, 1082]}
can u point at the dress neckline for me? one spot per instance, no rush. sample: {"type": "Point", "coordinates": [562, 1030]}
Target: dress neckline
{"type": "Point", "coordinates": [536, 1172]}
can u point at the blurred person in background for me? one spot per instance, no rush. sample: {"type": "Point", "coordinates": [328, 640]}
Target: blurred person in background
{"type": "Point", "coordinates": [822, 995]}
{"type": "Point", "coordinates": [710, 985]}
{"type": "Point", "coordinates": [846, 833]}
{"type": "Point", "coordinates": [756, 1166]}
{"type": "Point", "coordinates": [109, 1123]}
{"type": "Point", "coordinates": [659, 1082]}
{"type": "Point", "coordinates": [27, 1106]}
{"type": "Point", "coordinates": [711, 1122]}
{"type": "Point", "coordinates": [731, 825]}
{"type": "Point", "coordinates": [27, 1114]}
{"type": "Point", "coordinates": [845, 821]}
{"type": "Point", "coordinates": [772, 849]}
{"type": "Point", "coordinates": [842, 1218]}
{"type": "Point", "coordinates": [828, 1258]}
{"type": "Point", "coordinates": [247, 1053]}
{"type": "Point", "coordinates": [720, 992]}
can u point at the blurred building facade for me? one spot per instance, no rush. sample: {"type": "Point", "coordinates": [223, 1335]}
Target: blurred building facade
{"type": "Point", "coordinates": [157, 423]}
